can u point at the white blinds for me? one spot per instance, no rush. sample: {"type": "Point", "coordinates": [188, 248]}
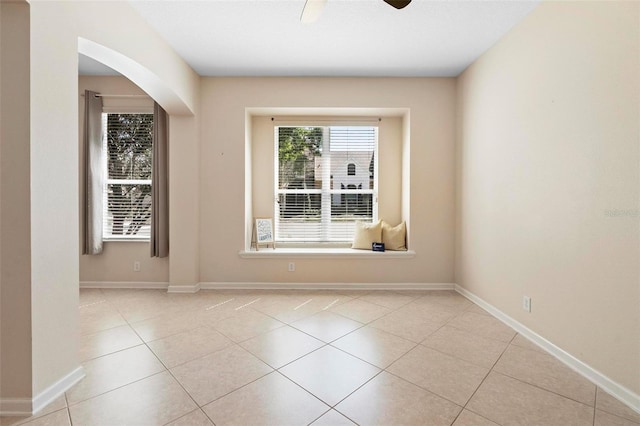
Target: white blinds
{"type": "Point", "coordinates": [326, 181]}
{"type": "Point", "coordinates": [127, 143]}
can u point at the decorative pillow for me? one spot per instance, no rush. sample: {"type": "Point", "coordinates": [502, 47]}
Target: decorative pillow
{"type": "Point", "coordinates": [365, 234]}
{"type": "Point", "coordinates": [394, 237]}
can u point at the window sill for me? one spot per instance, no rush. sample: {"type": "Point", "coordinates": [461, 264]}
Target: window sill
{"type": "Point", "coordinates": [125, 240]}
{"type": "Point", "coordinates": [325, 253]}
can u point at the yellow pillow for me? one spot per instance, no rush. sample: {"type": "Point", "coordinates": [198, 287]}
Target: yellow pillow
{"type": "Point", "coordinates": [394, 237]}
{"type": "Point", "coordinates": [365, 234]}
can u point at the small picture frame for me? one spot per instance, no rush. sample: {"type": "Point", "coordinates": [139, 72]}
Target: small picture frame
{"type": "Point", "coordinates": [264, 232]}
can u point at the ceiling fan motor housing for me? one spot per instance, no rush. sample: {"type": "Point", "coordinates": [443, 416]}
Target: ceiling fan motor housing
{"type": "Point", "coordinates": [398, 4]}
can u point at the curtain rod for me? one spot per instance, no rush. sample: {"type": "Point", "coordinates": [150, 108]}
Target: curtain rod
{"type": "Point", "coordinates": [100, 95]}
{"type": "Point", "coordinates": [356, 119]}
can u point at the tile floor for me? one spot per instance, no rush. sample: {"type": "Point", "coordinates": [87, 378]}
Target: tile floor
{"type": "Point", "coordinates": [314, 357]}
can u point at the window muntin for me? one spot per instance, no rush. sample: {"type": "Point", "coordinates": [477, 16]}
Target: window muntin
{"type": "Point", "coordinates": [127, 144]}
{"type": "Point", "coordinates": [326, 180]}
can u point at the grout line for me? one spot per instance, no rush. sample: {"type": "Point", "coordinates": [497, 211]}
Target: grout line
{"type": "Point", "coordinates": [346, 417]}
{"type": "Point", "coordinates": [237, 389]}
{"type": "Point", "coordinates": [544, 389]}
{"type": "Point", "coordinates": [114, 352]}
{"type": "Point", "coordinates": [231, 343]}
{"type": "Point", "coordinates": [536, 386]}
{"type": "Point", "coordinates": [116, 388]}
{"type": "Point", "coordinates": [354, 391]}
{"type": "Point", "coordinates": [302, 356]}
{"type": "Point", "coordinates": [184, 415]}
{"type": "Point", "coordinates": [184, 389]}
{"type": "Point", "coordinates": [69, 416]}
{"type": "Point", "coordinates": [320, 416]}
{"type": "Point", "coordinates": [66, 400]}
{"type": "Point", "coordinates": [479, 335]}
{"type": "Point", "coordinates": [422, 387]}
{"type": "Point", "coordinates": [207, 416]}
{"type": "Point", "coordinates": [479, 415]}
{"type": "Point", "coordinates": [364, 360]}
{"type": "Point", "coordinates": [464, 407]}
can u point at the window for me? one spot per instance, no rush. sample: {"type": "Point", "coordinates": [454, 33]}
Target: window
{"type": "Point", "coordinates": [127, 144]}
{"type": "Point", "coordinates": [325, 182]}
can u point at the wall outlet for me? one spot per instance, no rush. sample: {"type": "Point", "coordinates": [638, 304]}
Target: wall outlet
{"type": "Point", "coordinates": [136, 266]}
{"type": "Point", "coordinates": [526, 303]}
{"type": "Point", "coordinates": [292, 267]}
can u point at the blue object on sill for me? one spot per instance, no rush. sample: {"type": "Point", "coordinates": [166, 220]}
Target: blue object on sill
{"type": "Point", "coordinates": [377, 246]}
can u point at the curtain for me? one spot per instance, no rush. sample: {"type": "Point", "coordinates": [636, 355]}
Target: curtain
{"type": "Point", "coordinates": [160, 184]}
{"type": "Point", "coordinates": [93, 174]}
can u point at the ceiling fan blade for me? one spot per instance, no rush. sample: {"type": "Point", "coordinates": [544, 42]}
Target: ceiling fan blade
{"type": "Point", "coordinates": [398, 4]}
{"type": "Point", "coordinates": [312, 10]}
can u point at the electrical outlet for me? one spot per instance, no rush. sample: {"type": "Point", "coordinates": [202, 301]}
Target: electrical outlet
{"type": "Point", "coordinates": [526, 303]}
{"type": "Point", "coordinates": [292, 267]}
{"type": "Point", "coordinates": [136, 266]}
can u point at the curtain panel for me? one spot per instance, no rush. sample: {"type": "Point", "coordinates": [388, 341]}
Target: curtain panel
{"type": "Point", "coordinates": [160, 184]}
{"type": "Point", "coordinates": [93, 175]}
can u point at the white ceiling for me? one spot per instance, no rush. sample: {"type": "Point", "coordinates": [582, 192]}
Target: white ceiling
{"type": "Point", "coordinates": [351, 37]}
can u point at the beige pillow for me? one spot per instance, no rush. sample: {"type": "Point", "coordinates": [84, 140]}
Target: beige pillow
{"type": "Point", "coordinates": [365, 234]}
{"type": "Point", "coordinates": [394, 237]}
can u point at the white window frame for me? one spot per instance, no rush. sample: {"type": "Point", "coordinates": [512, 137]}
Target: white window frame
{"type": "Point", "coordinates": [326, 192]}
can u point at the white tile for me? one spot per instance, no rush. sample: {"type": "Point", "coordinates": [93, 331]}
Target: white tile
{"type": "Point", "coordinates": [274, 400]}
{"type": "Point", "coordinates": [329, 373]}
{"type": "Point", "coordinates": [155, 400]}
{"type": "Point", "coordinates": [112, 371]}
{"type": "Point", "coordinates": [327, 326]}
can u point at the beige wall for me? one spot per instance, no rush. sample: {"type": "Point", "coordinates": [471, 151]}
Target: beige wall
{"type": "Point", "coordinates": [429, 126]}
{"type": "Point", "coordinates": [15, 244]}
{"type": "Point", "coordinates": [115, 263]}
{"type": "Point", "coordinates": [548, 131]}
{"type": "Point", "coordinates": [184, 198]}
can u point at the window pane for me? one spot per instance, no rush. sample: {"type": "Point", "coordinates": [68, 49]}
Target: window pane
{"type": "Point", "coordinates": [325, 182]}
{"type": "Point", "coordinates": [127, 142]}
{"type": "Point", "coordinates": [128, 210]}
{"type": "Point", "coordinates": [349, 206]}
{"type": "Point", "coordinates": [352, 157]}
{"type": "Point", "coordinates": [299, 157]}
{"type": "Point", "coordinates": [129, 138]}
{"type": "Point", "coordinates": [299, 216]}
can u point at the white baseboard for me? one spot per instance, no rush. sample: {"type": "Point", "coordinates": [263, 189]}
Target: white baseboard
{"type": "Point", "coordinates": [192, 288]}
{"type": "Point", "coordinates": [54, 391]}
{"type": "Point", "coordinates": [28, 407]}
{"type": "Point", "coordinates": [323, 286]}
{"type": "Point", "coordinates": [613, 388]}
{"type": "Point", "coordinates": [125, 284]}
